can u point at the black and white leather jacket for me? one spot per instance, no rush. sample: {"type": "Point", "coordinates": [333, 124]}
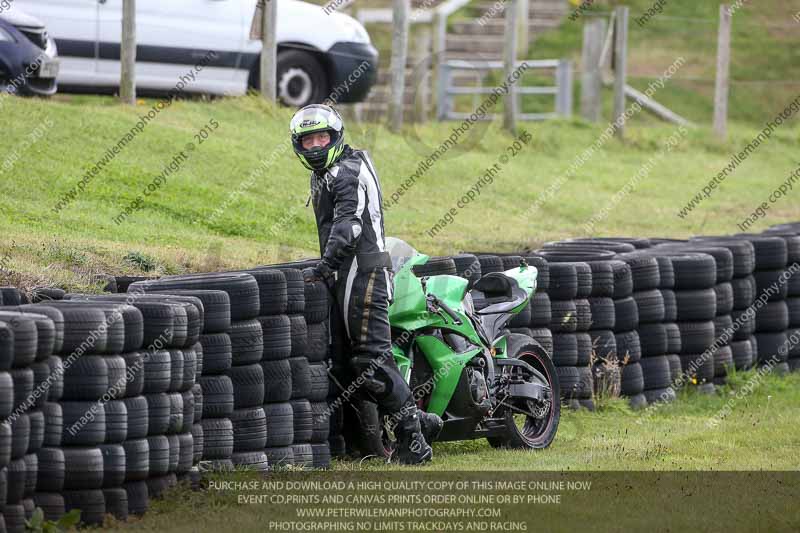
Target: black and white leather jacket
{"type": "Point", "coordinates": [348, 203]}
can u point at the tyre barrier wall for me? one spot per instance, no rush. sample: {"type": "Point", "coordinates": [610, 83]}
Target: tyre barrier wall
{"type": "Point", "coordinates": [684, 312]}
{"type": "Point", "coordinates": [107, 400]}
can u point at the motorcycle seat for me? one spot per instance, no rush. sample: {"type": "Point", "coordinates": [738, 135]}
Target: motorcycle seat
{"type": "Point", "coordinates": [500, 289]}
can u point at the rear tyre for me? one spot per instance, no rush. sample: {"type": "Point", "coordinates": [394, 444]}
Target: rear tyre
{"type": "Point", "coordinates": [525, 431]}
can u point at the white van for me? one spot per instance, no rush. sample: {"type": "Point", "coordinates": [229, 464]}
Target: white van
{"type": "Point", "coordinates": [208, 42]}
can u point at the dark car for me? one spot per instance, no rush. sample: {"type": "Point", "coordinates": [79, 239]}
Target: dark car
{"type": "Point", "coordinates": [28, 62]}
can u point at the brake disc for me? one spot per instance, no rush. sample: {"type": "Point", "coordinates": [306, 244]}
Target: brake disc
{"type": "Point", "coordinates": [539, 411]}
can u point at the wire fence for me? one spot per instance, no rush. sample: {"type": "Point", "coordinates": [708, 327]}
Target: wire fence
{"type": "Point", "coordinates": [764, 67]}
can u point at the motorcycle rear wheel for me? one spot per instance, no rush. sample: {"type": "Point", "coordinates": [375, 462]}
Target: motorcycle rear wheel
{"type": "Point", "coordinates": [524, 431]}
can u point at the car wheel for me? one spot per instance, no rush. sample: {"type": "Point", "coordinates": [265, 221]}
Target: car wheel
{"type": "Point", "coordinates": [301, 80]}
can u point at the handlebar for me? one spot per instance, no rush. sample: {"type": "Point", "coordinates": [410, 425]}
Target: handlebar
{"type": "Point", "coordinates": [433, 300]}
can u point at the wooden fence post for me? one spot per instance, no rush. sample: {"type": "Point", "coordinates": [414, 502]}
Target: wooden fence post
{"type": "Point", "coordinates": [591, 80]}
{"type": "Point", "coordinates": [606, 73]}
{"type": "Point", "coordinates": [522, 23]}
{"type": "Point", "coordinates": [620, 68]}
{"type": "Point", "coordinates": [509, 64]}
{"type": "Point", "coordinates": [269, 50]}
{"type": "Point", "coordinates": [564, 81]}
{"type": "Point", "coordinates": [127, 82]}
{"type": "Point", "coordinates": [400, 23]}
{"type": "Point", "coordinates": [723, 70]}
{"type": "Point", "coordinates": [439, 28]}
{"type": "Point", "coordinates": [423, 60]}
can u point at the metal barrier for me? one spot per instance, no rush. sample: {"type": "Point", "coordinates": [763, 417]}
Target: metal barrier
{"type": "Point", "coordinates": [562, 90]}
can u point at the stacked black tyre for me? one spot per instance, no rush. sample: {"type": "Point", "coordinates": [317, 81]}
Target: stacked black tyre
{"type": "Point", "coordinates": [658, 332]}
{"type": "Point", "coordinates": [326, 422]}
{"type": "Point", "coordinates": [774, 256]}
{"type": "Point", "coordinates": [695, 278]}
{"type": "Point", "coordinates": [469, 267]}
{"type": "Point", "coordinates": [770, 309]}
{"type": "Point", "coordinates": [246, 375]}
{"type": "Point", "coordinates": [616, 311]}
{"type": "Point", "coordinates": [279, 294]}
{"type": "Point", "coordinates": [738, 332]}
{"type": "Point", "coordinates": [310, 364]}
{"type": "Point", "coordinates": [571, 318]}
{"type": "Point", "coordinates": [617, 368]}
{"type": "Point", "coordinates": [22, 426]}
{"type": "Point", "coordinates": [162, 358]}
{"type": "Point", "coordinates": [792, 300]}
{"type": "Point", "coordinates": [791, 280]}
{"type": "Point", "coordinates": [655, 302]}
{"type": "Point", "coordinates": [436, 266]}
{"type": "Point", "coordinates": [12, 297]}
{"type": "Point", "coordinates": [218, 396]}
{"type": "Point", "coordinates": [82, 462]}
{"type": "Point", "coordinates": [490, 263]}
{"type": "Point", "coordinates": [714, 303]}
{"type": "Point", "coordinates": [252, 379]}
{"type": "Point", "coordinates": [790, 349]}
{"type": "Point", "coordinates": [294, 412]}
{"type": "Point", "coordinates": [593, 337]}
{"type": "Point", "coordinates": [602, 344]}
{"type": "Point", "coordinates": [610, 352]}
{"type": "Point", "coordinates": [626, 334]}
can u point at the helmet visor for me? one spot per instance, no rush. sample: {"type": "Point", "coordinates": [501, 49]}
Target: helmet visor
{"type": "Point", "coordinates": [314, 118]}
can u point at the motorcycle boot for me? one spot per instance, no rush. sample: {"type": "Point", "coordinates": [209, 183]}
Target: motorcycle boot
{"type": "Point", "coordinates": [431, 425]}
{"type": "Point", "coordinates": [411, 446]}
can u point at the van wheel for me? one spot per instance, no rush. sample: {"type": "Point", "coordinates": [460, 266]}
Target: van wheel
{"type": "Point", "coordinates": [300, 77]}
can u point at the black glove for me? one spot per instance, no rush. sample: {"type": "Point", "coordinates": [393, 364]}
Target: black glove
{"type": "Point", "coordinates": [320, 272]}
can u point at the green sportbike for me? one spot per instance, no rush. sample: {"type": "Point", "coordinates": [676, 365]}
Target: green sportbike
{"type": "Point", "coordinates": [459, 362]}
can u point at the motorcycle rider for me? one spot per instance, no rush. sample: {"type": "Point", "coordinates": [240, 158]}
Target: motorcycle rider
{"type": "Point", "coordinates": [347, 202]}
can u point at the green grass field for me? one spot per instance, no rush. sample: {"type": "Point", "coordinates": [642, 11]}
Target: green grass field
{"type": "Point", "coordinates": [667, 437]}
{"type": "Point", "coordinates": [759, 434]}
{"type": "Point", "coordinates": [265, 220]}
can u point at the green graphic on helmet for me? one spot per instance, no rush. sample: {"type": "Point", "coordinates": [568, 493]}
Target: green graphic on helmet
{"type": "Point", "coordinates": [305, 161]}
{"type": "Point", "coordinates": [333, 155]}
{"type": "Point", "coordinates": [316, 118]}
